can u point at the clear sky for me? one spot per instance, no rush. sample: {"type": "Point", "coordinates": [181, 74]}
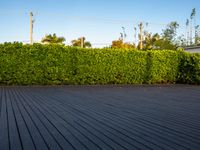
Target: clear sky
{"type": "Point", "coordinates": [100, 21]}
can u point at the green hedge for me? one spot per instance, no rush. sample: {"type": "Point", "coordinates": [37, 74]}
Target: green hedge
{"type": "Point", "coordinates": [56, 64]}
{"type": "Point", "coordinates": [189, 68]}
{"type": "Point", "coordinates": [163, 66]}
{"type": "Point", "coordinates": [37, 64]}
{"type": "Point", "coordinates": [105, 66]}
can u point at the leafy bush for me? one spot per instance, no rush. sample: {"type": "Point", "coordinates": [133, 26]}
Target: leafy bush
{"type": "Point", "coordinates": [56, 64]}
{"type": "Point", "coordinates": [189, 69]}
{"type": "Point", "coordinates": [163, 66]}
{"type": "Point", "coordinates": [36, 64]}
{"type": "Point", "coordinates": [103, 66]}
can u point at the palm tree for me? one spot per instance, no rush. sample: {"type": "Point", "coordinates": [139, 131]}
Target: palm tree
{"type": "Point", "coordinates": [192, 16]}
{"type": "Point", "coordinates": [187, 36]}
{"type": "Point", "coordinates": [81, 42]}
{"type": "Point", "coordinates": [149, 41]}
{"type": "Point", "coordinates": [53, 39]}
{"type": "Point", "coordinates": [171, 31]}
{"type": "Point", "coordinates": [124, 34]}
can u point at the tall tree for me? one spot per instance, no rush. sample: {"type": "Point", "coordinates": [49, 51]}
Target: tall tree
{"type": "Point", "coordinates": [197, 40]}
{"type": "Point", "coordinates": [192, 17]}
{"type": "Point", "coordinates": [117, 44]}
{"type": "Point", "coordinates": [163, 44]}
{"type": "Point", "coordinates": [187, 36]}
{"type": "Point", "coordinates": [181, 41]}
{"type": "Point", "coordinates": [149, 41]}
{"type": "Point", "coordinates": [155, 41]}
{"type": "Point", "coordinates": [53, 39]}
{"type": "Point", "coordinates": [170, 32]}
{"type": "Point", "coordinates": [81, 42]}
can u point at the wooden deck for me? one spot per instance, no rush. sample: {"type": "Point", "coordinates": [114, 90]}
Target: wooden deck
{"type": "Point", "coordinates": [100, 118]}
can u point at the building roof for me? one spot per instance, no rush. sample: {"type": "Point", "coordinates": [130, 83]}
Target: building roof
{"type": "Point", "coordinates": [193, 49]}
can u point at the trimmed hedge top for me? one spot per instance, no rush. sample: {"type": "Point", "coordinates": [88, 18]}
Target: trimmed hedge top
{"type": "Point", "coordinates": [56, 64]}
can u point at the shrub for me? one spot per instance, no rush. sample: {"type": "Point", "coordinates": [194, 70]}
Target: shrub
{"type": "Point", "coordinates": [56, 64]}
{"type": "Point", "coordinates": [103, 66]}
{"type": "Point", "coordinates": [34, 64]}
{"type": "Point", "coordinates": [163, 66]}
{"type": "Point", "coordinates": [189, 69]}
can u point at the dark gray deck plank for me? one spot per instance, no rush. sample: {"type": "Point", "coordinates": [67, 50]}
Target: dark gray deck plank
{"type": "Point", "coordinates": [100, 117]}
{"type": "Point", "coordinates": [51, 142]}
{"type": "Point", "coordinates": [172, 142]}
{"type": "Point", "coordinates": [73, 140]}
{"type": "Point", "coordinates": [1, 92]}
{"type": "Point", "coordinates": [59, 109]}
{"type": "Point", "coordinates": [145, 110]}
{"type": "Point", "coordinates": [118, 127]}
{"type": "Point", "coordinates": [14, 136]}
{"type": "Point", "coordinates": [4, 129]}
{"type": "Point", "coordinates": [143, 130]}
{"type": "Point", "coordinates": [51, 129]}
{"type": "Point", "coordinates": [99, 125]}
{"type": "Point", "coordinates": [35, 133]}
{"type": "Point", "coordinates": [25, 137]}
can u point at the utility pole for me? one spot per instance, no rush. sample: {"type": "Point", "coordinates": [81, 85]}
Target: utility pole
{"type": "Point", "coordinates": [31, 28]}
{"type": "Point", "coordinates": [82, 42]}
{"type": "Point", "coordinates": [141, 35]}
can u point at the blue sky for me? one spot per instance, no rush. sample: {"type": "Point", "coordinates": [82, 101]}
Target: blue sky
{"type": "Point", "coordinates": [100, 21]}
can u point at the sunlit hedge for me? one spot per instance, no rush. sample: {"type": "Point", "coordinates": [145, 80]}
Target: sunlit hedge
{"type": "Point", "coordinates": [56, 64]}
{"type": "Point", "coordinates": [163, 66]}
